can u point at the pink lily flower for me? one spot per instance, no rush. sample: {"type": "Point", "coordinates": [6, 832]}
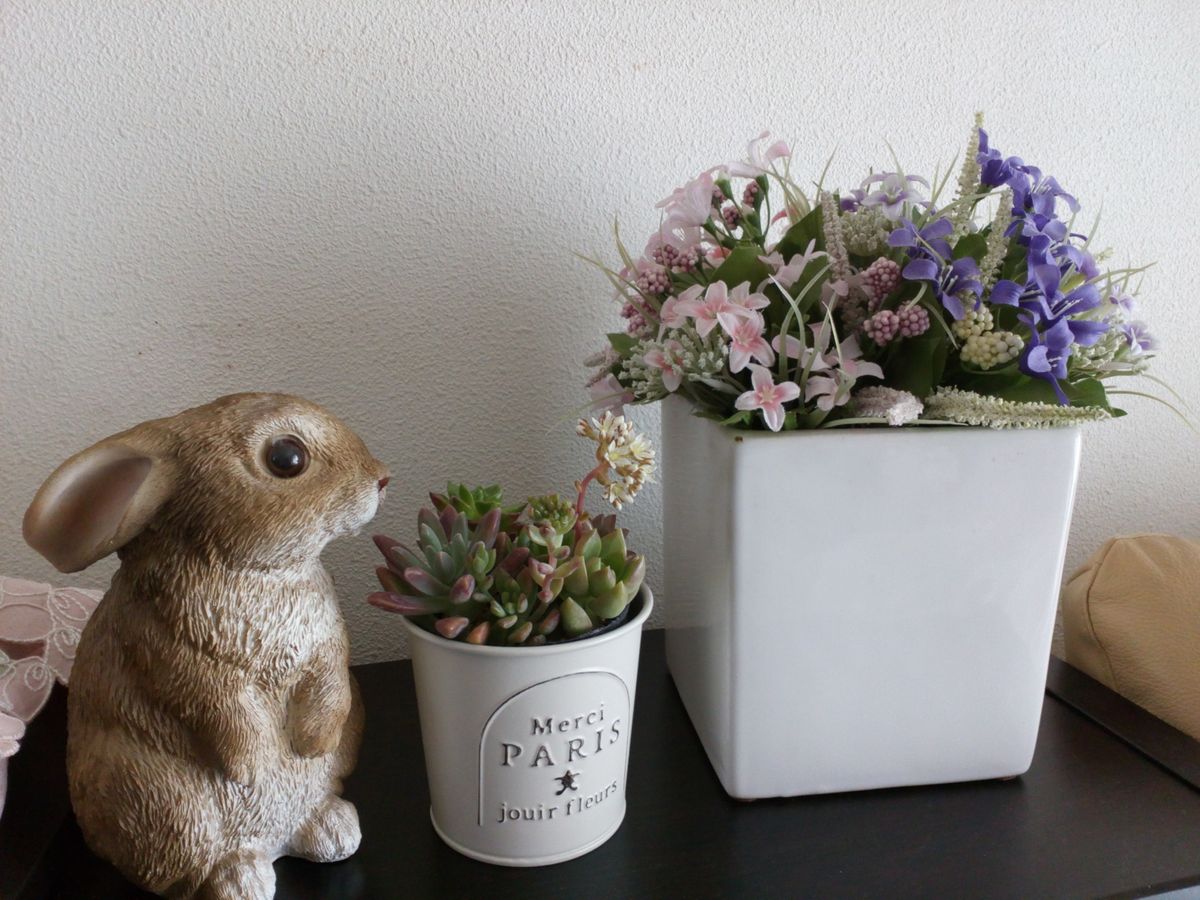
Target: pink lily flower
{"type": "Point", "coordinates": [716, 255]}
{"type": "Point", "coordinates": [669, 361]}
{"type": "Point", "coordinates": [705, 312]}
{"type": "Point", "coordinates": [675, 310]}
{"type": "Point", "coordinates": [689, 206]}
{"type": "Point", "coordinates": [828, 392]}
{"type": "Point", "coordinates": [747, 342]}
{"type": "Point", "coordinates": [608, 394]}
{"type": "Point", "coordinates": [793, 349]}
{"type": "Point", "coordinates": [758, 160]}
{"type": "Point", "coordinates": [719, 306]}
{"type": "Point", "coordinates": [789, 273]}
{"type": "Point", "coordinates": [676, 238]}
{"type": "Point", "coordinates": [768, 396]}
{"type": "Point", "coordinates": [739, 303]}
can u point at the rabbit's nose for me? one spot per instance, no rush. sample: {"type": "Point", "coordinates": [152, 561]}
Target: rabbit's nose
{"type": "Point", "coordinates": [383, 482]}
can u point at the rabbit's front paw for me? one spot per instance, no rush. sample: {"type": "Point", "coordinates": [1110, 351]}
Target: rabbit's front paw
{"type": "Point", "coordinates": [331, 834]}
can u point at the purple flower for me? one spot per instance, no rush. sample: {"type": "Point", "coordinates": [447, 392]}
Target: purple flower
{"type": "Point", "coordinates": [1047, 310]}
{"type": "Point", "coordinates": [1127, 304]}
{"type": "Point", "coordinates": [994, 168]}
{"type": "Point", "coordinates": [1042, 298]}
{"type": "Point", "coordinates": [851, 201]}
{"type": "Point", "coordinates": [1139, 337]}
{"type": "Point", "coordinates": [893, 192]}
{"type": "Point", "coordinates": [1039, 194]}
{"type": "Point", "coordinates": [1035, 195]}
{"type": "Point", "coordinates": [1046, 355]}
{"type": "Point", "coordinates": [929, 240]}
{"type": "Point", "coordinates": [930, 255]}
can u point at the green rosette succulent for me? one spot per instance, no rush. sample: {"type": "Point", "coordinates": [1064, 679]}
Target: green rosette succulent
{"type": "Point", "coordinates": [475, 502]}
{"type": "Point", "coordinates": [520, 576]}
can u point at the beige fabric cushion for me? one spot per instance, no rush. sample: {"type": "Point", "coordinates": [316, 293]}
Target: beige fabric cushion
{"type": "Point", "coordinates": [1131, 619]}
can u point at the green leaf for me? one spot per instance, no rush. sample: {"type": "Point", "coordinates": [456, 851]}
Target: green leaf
{"type": "Point", "coordinates": [797, 238]}
{"type": "Point", "coordinates": [1023, 389]}
{"type": "Point", "coordinates": [575, 620]}
{"type": "Point", "coordinates": [613, 549]}
{"type": "Point", "coordinates": [611, 603]}
{"type": "Point", "coordinates": [919, 364]}
{"type": "Point", "coordinates": [621, 342]}
{"type": "Point", "coordinates": [1015, 265]}
{"type": "Point", "coordinates": [741, 265]}
{"type": "Point", "coordinates": [1087, 392]}
{"type": "Point", "coordinates": [741, 417]}
{"type": "Point", "coordinates": [973, 245]}
{"type": "Point", "coordinates": [591, 546]}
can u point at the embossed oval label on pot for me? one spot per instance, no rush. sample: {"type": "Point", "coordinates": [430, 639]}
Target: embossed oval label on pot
{"type": "Point", "coordinates": [553, 758]}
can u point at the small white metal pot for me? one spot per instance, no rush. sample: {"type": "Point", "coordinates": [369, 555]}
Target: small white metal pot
{"type": "Point", "coordinates": [527, 748]}
{"type": "Point", "coordinates": [849, 610]}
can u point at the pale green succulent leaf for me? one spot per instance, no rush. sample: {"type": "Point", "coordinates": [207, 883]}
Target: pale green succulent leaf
{"type": "Point", "coordinates": [611, 603]}
{"type": "Point", "coordinates": [613, 549]}
{"type": "Point", "coordinates": [575, 619]}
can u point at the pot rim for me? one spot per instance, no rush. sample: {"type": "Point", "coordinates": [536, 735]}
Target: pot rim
{"type": "Point", "coordinates": [930, 429]}
{"type": "Point", "coordinates": [645, 595]}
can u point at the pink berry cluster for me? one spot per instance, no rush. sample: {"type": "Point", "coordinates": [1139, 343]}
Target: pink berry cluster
{"type": "Point", "coordinates": [675, 260]}
{"type": "Point", "coordinates": [731, 215]}
{"type": "Point", "coordinates": [882, 326]}
{"type": "Point", "coordinates": [881, 278]}
{"type": "Point", "coordinates": [914, 320]}
{"type": "Point", "coordinates": [653, 280]}
{"type": "Point", "coordinates": [750, 194]}
{"type": "Point", "coordinates": [635, 322]}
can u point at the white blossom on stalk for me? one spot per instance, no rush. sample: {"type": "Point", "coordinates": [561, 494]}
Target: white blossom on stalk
{"type": "Point", "coordinates": [968, 180]}
{"type": "Point", "coordinates": [970, 408]}
{"type": "Point", "coordinates": [898, 407]}
{"type": "Point", "coordinates": [835, 245]}
{"type": "Point", "coordinates": [625, 457]}
{"type": "Point", "coordinates": [997, 242]}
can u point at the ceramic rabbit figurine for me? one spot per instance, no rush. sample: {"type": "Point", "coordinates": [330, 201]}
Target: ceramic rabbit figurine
{"type": "Point", "coordinates": [212, 714]}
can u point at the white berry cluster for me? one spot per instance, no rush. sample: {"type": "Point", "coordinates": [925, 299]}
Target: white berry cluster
{"type": "Point", "coordinates": [991, 349]}
{"type": "Point", "coordinates": [866, 231]}
{"type": "Point", "coordinates": [702, 359]}
{"type": "Point", "coordinates": [973, 323]}
{"type": "Point", "coordinates": [645, 381]}
{"type": "Point", "coordinates": [1106, 349]}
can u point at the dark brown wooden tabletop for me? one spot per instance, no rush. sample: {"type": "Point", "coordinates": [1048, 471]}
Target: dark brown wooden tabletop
{"type": "Point", "coordinates": [1111, 807]}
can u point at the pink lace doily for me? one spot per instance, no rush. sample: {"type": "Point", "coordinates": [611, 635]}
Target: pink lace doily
{"type": "Point", "coordinates": [39, 630]}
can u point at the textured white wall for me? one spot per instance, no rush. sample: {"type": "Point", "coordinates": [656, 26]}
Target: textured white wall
{"type": "Point", "coordinates": [375, 205]}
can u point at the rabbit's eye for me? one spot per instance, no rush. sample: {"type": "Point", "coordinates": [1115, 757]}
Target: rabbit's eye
{"type": "Point", "coordinates": [286, 457]}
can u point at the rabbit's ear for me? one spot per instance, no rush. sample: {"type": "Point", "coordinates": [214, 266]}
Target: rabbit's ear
{"type": "Point", "coordinates": [96, 502]}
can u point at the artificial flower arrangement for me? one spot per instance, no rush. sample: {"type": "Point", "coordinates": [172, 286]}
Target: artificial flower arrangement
{"type": "Point", "coordinates": [880, 305]}
{"type": "Point", "coordinates": [533, 574]}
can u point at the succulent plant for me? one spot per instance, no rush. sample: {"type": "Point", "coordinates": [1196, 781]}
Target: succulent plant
{"type": "Point", "coordinates": [592, 575]}
{"type": "Point", "coordinates": [550, 577]}
{"type": "Point", "coordinates": [526, 575]}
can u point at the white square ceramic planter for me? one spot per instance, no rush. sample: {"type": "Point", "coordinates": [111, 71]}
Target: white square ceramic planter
{"type": "Point", "coordinates": [862, 609]}
{"type": "Point", "coordinates": [527, 748]}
